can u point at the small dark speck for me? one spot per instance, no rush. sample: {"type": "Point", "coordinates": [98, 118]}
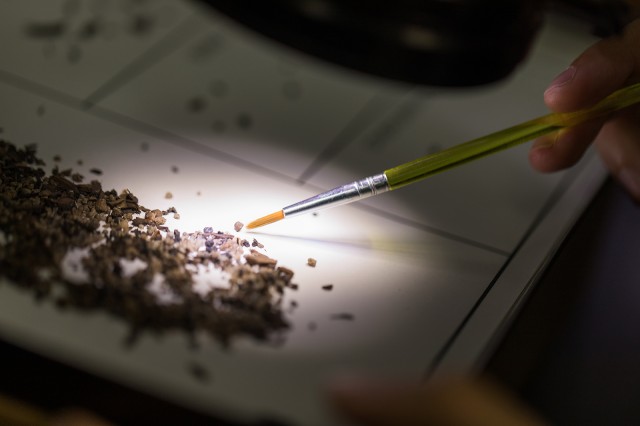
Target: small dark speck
{"type": "Point", "coordinates": [199, 372]}
{"type": "Point", "coordinates": [196, 104]}
{"type": "Point", "coordinates": [315, 214]}
{"type": "Point", "coordinates": [175, 169]}
{"type": "Point", "coordinates": [141, 25]}
{"type": "Point", "coordinates": [312, 326]}
{"type": "Point", "coordinates": [41, 111]}
{"type": "Point", "coordinates": [89, 30]}
{"type": "Point", "coordinates": [96, 171]}
{"type": "Point", "coordinates": [80, 162]}
{"type": "Point", "coordinates": [57, 158]}
{"type": "Point", "coordinates": [244, 121]}
{"type": "Point", "coordinates": [144, 146]}
{"type": "Point", "coordinates": [327, 287]}
{"type": "Point", "coordinates": [343, 316]}
{"type": "Point", "coordinates": [46, 29]}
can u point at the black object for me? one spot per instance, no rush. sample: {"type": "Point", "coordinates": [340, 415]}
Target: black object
{"type": "Point", "coordinates": [431, 42]}
{"type": "Point", "coordinates": [437, 42]}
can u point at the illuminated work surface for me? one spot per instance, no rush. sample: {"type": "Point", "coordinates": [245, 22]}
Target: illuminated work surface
{"type": "Point", "coordinates": [431, 273]}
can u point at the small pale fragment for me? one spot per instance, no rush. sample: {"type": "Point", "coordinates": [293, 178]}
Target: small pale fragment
{"type": "Point", "coordinates": [238, 226]}
{"type": "Point", "coordinates": [312, 262]}
{"type": "Point", "coordinates": [168, 195]}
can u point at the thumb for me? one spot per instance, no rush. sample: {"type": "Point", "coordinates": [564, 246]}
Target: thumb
{"type": "Point", "coordinates": [603, 68]}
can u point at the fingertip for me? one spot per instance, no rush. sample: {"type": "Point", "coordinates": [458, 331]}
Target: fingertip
{"type": "Point", "coordinates": [541, 155]}
{"type": "Point", "coordinates": [600, 70]}
{"type": "Point", "coordinates": [564, 148]}
{"type": "Point", "coordinates": [554, 94]}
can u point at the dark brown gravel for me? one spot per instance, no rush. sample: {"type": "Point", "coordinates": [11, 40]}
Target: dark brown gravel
{"type": "Point", "coordinates": [43, 216]}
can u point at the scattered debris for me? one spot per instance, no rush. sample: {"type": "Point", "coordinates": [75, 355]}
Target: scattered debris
{"type": "Point", "coordinates": [46, 219]}
{"type": "Point", "coordinates": [196, 104]}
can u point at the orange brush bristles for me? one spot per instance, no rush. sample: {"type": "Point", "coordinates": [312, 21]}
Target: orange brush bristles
{"type": "Point", "coordinates": [270, 218]}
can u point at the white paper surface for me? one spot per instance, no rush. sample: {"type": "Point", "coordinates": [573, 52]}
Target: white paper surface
{"type": "Point", "coordinates": [432, 272]}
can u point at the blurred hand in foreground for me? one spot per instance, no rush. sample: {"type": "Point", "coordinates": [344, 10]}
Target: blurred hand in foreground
{"type": "Point", "coordinates": [452, 402]}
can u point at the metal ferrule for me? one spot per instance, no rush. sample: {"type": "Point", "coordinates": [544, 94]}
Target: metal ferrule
{"type": "Point", "coordinates": [344, 194]}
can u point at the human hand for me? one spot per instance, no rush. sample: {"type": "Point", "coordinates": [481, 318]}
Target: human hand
{"type": "Point", "coordinates": [76, 417]}
{"type": "Point", "coordinates": [451, 402]}
{"type": "Point", "coordinates": [608, 65]}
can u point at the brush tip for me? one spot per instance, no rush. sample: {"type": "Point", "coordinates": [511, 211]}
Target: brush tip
{"type": "Point", "coordinates": [270, 218]}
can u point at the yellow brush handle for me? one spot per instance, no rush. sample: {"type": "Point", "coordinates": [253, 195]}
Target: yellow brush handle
{"type": "Point", "coordinates": [431, 164]}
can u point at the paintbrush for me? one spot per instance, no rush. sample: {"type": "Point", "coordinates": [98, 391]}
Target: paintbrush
{"type": "Point", "coordinates": [431, 164]}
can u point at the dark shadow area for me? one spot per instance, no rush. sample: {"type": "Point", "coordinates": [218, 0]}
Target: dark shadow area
{"type": "Point", "coordinates": [573, 352]}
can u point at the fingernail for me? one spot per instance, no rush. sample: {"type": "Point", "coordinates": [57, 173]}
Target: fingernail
{"type": "Point", "coordinates": [546, 142]}
{"type": "Point", "coordinates": [563, 78]}
{"type": "Point", "coordinates": [631, 180]}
